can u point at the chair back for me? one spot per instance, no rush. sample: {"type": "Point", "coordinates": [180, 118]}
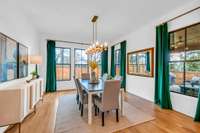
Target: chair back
{"type": "Point", "coordinates": [117, 77]}
{"type": "Point", "coordinates": [110, 97]}
{"type": "Point", "coordinates": [80, 90]}
{"type": "Point", "coordinates": [85, 76]}
{"type": "Point", "coordinates": [105, 76]}
{"type": "Point", "coordinates": [75, 83]}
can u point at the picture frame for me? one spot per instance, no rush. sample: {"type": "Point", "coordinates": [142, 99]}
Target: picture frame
{"type": "Point", "coordinates": [141, 62]}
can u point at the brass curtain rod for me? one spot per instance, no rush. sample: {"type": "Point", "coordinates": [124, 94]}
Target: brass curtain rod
{"type": "Point", "coordinates": [81, 43]}
{"type": "Point", "coordinates": [183, 14]}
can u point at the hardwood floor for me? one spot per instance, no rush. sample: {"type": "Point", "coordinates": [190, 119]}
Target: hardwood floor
{"type": "Point", "coordinates": [166, 121]}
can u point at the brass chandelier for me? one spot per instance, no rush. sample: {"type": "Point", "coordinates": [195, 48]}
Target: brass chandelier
{"type": "Point", "coordinates": [96, 47]}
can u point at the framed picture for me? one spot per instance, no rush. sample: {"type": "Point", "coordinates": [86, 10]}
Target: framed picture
{"type": "Point", "coordinates": [8, 58]}
{"type": "Point", "coordinates": [23, 61]}
{"type": "Point", "coordinates": [3, 69]}
{"type": "Point", "coordinates": [13, 59]}
{"type": "Point", "coordinates": [141, 62]}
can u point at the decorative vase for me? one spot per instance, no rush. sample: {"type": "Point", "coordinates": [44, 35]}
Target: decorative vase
{"type": "Point", "coordinates": [93, 78]}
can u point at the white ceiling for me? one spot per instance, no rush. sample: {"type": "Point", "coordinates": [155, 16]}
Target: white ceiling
{"type": "Point", "coordinates": [71, 18]}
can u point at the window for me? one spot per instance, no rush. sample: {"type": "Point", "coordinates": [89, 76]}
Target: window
{"type": "Point", "coordinates": [63, 64]}
{"type": "Point", "coordinates": [81, 62]}
{"type": "Point", "coordinates": [117, 62]}
{"type": "Point", "coordinates": [185, 60]}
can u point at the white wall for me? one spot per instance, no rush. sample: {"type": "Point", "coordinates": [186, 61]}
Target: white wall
{"type": "Point", "coordinates": [15, 25]}
{"type": "Point", "coordinates": [144, 37]}
{"type": "Point", "coordinates": [61, 85]}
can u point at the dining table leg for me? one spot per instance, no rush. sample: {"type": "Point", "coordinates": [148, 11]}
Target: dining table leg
{"type": "Point", "coordinates": [89, 108]}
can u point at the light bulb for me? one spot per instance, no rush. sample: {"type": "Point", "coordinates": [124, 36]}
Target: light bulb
{"type": "Point", "coordinates": [105, 44]}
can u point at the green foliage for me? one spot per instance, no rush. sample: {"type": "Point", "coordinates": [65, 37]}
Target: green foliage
{"type": "Point", "coordinates": [34, 73]}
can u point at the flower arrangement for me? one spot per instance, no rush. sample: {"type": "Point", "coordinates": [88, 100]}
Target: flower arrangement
{"type": "Point", "coordinates": [93, 64]}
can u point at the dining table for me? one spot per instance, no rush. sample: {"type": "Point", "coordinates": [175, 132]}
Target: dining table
{"type": "Point", "coordinates": [97, 88]}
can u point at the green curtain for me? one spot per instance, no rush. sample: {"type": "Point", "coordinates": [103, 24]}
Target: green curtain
{"type": "Point", "coordinates": [162, 93]}
{"type": "Point", "coordinates": [51, 67]}
{"type": "Point", "coordinates": [104, 62]}
{"type": "Point", "coordinates": [147, 62]}
{"type": "Point", "coordinates": [112, 68]}
{"type": "Point", "coordinates": [197, 115]}
{"type": "Point", "coordinates": [123, 63]}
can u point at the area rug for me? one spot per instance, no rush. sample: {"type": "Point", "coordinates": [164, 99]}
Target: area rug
{"type": "Point", "coordinates": [68, 119]}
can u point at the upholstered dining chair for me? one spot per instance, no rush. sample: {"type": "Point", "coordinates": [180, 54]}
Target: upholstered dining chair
{"type": "Point", "coordinates": [117, 77]}
{"type": "Point", "coordinates": [105, 76]}
{"type": "Point", "coordinates": [77, 94]}
{"type": "Point", "coordinates": [110, 98]}
{"type": "Point", "coordinates": [85, 76]}
{"type": "Point", "coordinates": [83, 97]}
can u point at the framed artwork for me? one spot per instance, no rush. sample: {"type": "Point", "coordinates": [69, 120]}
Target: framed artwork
{"type": "Point", "coordinates": [3, 69]}
{"type": "Point", "coordinates": [23, 60]}
{"type": "Point", "coordinates": [141, 62]}
{"type": "Point", "coordinates": [13, 59]}
{"type": "Point", "coordinates": [8, 58]}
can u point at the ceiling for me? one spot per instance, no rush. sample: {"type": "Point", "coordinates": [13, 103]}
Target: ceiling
{"type": "Point", "coordinates": [71, 18]}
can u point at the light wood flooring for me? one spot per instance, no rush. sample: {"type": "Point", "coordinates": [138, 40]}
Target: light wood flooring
{"type": "Point", "coordinates": [166, 121]}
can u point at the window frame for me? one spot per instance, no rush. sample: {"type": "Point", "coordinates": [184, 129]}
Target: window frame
{"type": "Point", "coordinates": [63, 64]}
{"type": "Point", "coordinates": [185, 60]}
{"type": "Point", "coordinates": [82, 49]}
{"type": "Point", "coordinates": [117, 64]}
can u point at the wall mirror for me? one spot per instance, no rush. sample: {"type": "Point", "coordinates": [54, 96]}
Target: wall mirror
{"type": "Point", "coordinates": [141, 62]}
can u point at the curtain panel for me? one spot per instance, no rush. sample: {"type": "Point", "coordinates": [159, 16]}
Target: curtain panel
{"type": "Point", "coordinates": [162, 93]}
{"type": "Point", "coordinates": [104, 62]}
{"type": "Point", "coordinates": [51, 67]}
{"type": "Point", "coordinates": [112, 68]}
{"type": "Point", "coordinates": [197, 115]}
{"type": "Point", "coordinates": [123, 64]}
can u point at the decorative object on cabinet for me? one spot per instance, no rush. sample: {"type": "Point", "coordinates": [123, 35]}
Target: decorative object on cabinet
{"type": "Point", "coordinates": [35, 59]}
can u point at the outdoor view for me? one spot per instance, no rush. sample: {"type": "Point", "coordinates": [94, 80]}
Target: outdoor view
{"type": "Point", "coordinates": [81, 63]}
{"type": "Point", "coordinates": [185, 61]}
{"type": "Point", "coordinates": [63, 64]}
{"type": "Point", "coordinates": [117, 62]}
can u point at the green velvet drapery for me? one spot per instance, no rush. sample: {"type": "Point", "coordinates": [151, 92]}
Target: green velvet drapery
{"type": "Point", "coordinates": [123, 63]}
{"type": "Point", "coordinates": [162, 93]}
{"type": "Point", "coordinates": [197, 115]}
{"type": "Point", "coordinates": [104, 62]}
{"type": "Point", "coordinates": [51, 67]}
{"type": "Point", "coordinates": [112, 68]}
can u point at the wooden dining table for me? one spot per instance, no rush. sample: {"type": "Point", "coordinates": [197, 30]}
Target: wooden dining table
{"type": "Point", "coordinates": [96, 88]}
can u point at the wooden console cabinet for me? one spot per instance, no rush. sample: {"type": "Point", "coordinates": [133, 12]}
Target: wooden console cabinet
{"type": "Point", "coordinates": [18, 100]}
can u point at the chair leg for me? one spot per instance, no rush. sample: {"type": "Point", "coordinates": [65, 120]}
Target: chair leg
{"type": "Point", "coordinates": [19, 127]}
{"type": "Point", "coordinates": [79, 106]}
{"type": "Point", "coordinates": [81, 109]}
{"type": "Point", "coordinates": [102, 114]}
{"type": "Point", "coordinates": [95, 108]}
{"type": "Point", "coordinates": [77, 98]}
{"type": "Point", "coordinates": [117, 115]}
